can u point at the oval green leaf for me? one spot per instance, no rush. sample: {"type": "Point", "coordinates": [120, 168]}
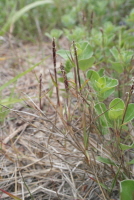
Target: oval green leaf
{"type": "Point", "coordinates": [86, 64]}
{"type": "Point", "coordinates": [116, 109]}
{"type": "Point", "coordinates": [129, 116]}
{"type": "Point", "coordinates": [86, 51]}
{"type": "Point", "coordinates": [93, 75]}
{"type": "Point", "coordinates": [64, 53]}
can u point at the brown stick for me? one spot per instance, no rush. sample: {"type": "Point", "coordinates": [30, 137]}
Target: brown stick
{"type": "Point", "coordinates": [77, 64]}
{"type": "Point", "coordinates": [40, 91]}
{"type": "Point", "coordinates": [55, 72]}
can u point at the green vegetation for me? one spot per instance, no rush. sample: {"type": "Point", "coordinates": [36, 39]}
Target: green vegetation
{"type": "Point", "coordinates": [97, 71]}
{"type": "Point", "coordinates": [31, 16]}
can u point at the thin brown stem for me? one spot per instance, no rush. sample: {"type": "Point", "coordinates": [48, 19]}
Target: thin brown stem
{"type": "Point", "coordinates": [91, 20]}
{"type": "Point", "coordinates": [40, 91]}
{"type": "Point", "coordinates": [55, 71]}
{"type": "Point", "coordinates": [77, 64]}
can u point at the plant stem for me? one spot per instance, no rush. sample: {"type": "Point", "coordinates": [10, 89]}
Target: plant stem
{"type": "Point", "coordinates": [55, 72]}
{"type": "Point", "coordinates": [40, 91]}
{"type": "Point", "coordinates": [77, 64]}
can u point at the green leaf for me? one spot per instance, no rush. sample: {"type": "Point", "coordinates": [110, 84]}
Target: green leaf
{"type": "Point", "coordinates": [92, 75]}
{"type": "Point", "coordinates": [108, 84]}
{"type": "Point", "coordinates": [105, 93]}
{"type": "Point", "coordinates": [100, 108]}
{"type": "Point", "coordinates": [85, 50]}
{"type": "Point", "coordinates": [61, 79]}
{"type": "Point", "coordinates": [129, 116]}
{"type": "Point", "coordinates": [68, 66]}
{"type": "Point", "coordinates": [70, 75]}
{"type": "Point", "coordinates": [115, 53]}
{"type": "Point", "coordinates": [116, 109]}
{"type": "Point", "coordinates": [49, 35]}
{"type": "Point", "coordinates": [86, 64]}
{"type": "Point", "coordinates": [19, 76]}
{"type": "Point", "coordinates": [104, 83]}
{"type": "Point", "coordinates": [64, 53]}
{"type": "Point", "coordinates": [75, 34]}
{"type": "Point", "coordinates": [102, 112]}
{"type": "Point", "coordinates": [28, 7]}
{"type": "Point", "coordinates": [111, 82]}
{"type": "Point", "coordinates": [131, 162]}
{"type": "Point", "coordinates": [117, 66]}
{"type": "Point", "coordinates": [101, 83]}
{"type": "Point", "coordinates": [127, 190]}
{"type": "Point", "coordinates": [21, 12]}
{"type": "Point", "coordinates": [105, 160]}
{"type": "Point", "coordinates": [67, 20]}
{"type": "Point", "coordinates": [126, 147]}
{"type": "Point", "coordinates": [101, 72]}
{"type": "Point", "coordinates": [56, 33]}
{"type": "Point", "coordinates": [9, 101]}
{"type": "Point", "coordinates": [105, 86]}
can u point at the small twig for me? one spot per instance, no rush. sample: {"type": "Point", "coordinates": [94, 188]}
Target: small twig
{"type": "Point", "coordinates": [12, 135]}
{"type": "Point", "coordinates": [65, 80]}
{"type": "Point", "coordinates": [55, 72]}
{"type": "Point", "coordinates": [40, 91]}
{"type": "Point", "coordinates": [91, 20]}
{"type": "Point", "coordinates": [77, 64]}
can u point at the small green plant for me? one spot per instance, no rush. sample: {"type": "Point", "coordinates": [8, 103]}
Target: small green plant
{"type": "Point", "coordinates": [116, 115]}
{"type": "Point", "coordinates": [85, 56]}
{"type": "Point", "coordinates": [68, 20]}
{"type": "Point", "coordinates": [110, 119]}
{"type": "Point", "coordinates": [104, 86]}
{"type": "Point", "coordinates": [76, 34]}
{"type": "Point", "coordinates": [54, 33]}
{"type": "Point", "coordinates": [122, 59]}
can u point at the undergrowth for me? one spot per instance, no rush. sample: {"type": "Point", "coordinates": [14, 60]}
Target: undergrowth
{"type": "Point", "coordinates": [77, 140]}
{"type": "Point", "coordinates": [85, 138]}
